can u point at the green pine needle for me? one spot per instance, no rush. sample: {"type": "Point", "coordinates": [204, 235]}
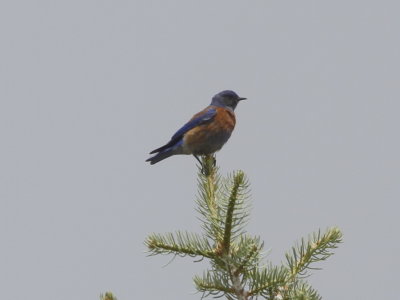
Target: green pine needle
{"type": "Point", "coordinates": [213, 283]}
{"type": "Point", "coordinates": [268, 281]}
{"type": "Point", "coordinates": [302, 291]}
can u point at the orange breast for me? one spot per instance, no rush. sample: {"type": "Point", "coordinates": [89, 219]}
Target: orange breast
{"type": "Point", "coordinates": [225, 119]}
{"type": "Point", "coordinates": [210, 137]}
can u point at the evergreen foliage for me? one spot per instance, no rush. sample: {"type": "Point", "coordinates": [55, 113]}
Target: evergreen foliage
{"type": "Point", "coordinates": [237, 269]}
{"type": "Point", "coordinates": [108, 296]}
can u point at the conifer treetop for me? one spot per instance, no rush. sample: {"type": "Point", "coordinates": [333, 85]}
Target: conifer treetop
{"type": "Point", "coordinates": [238, 269]}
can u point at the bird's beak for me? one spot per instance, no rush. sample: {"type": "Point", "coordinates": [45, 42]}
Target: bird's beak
{"type": "Point", "coordinates": [241, 98]}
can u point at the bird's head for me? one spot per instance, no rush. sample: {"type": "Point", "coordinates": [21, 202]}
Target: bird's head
{"type": "Point", "coordinates": [226, 99]}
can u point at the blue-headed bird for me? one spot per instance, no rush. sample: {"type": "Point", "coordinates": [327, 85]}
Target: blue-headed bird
{"type": "Point", "coordinates": [206, 132]}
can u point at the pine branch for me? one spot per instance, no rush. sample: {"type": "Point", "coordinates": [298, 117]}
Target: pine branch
{"type": "Point", "coordinates": [238, 181]}
{"type": "Point", "coordinates": [234, 191]}
{"type": "Point", "coordinates": [207, 200]}
{"type": "Point", "coordinates": [318, 248]}
{"type": "Point", "coordinates": [182, 244]}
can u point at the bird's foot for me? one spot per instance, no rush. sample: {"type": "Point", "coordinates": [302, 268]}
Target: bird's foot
{"type": "Point", "coordinates": [207, 163]}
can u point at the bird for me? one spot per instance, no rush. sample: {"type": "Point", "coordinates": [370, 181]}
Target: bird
{"type": "Point", "coordinates": [205, 133]}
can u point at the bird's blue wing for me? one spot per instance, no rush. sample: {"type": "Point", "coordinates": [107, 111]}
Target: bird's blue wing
{"type": "Point", "coordinates": [197, 120]}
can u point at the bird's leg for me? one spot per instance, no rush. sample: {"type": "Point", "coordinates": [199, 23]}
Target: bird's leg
{"type": "Point", "coordinates": [198, 159]}
{"type": "Point", "coordinates": [201, 164]}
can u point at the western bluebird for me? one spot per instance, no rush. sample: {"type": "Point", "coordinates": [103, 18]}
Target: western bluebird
{"type": "Point", "coordinates": [206, 132]}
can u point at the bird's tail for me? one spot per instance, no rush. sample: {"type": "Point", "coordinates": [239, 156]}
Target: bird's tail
{"type": "Point", "coordinates": [160, 156]}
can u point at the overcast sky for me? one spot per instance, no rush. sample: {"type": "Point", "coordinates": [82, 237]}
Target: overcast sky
{"type": "Point", "coordinates": [88, 88]}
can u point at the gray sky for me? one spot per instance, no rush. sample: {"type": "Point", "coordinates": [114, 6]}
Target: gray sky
{"type": "Point", "coordinates": [88, 88]}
